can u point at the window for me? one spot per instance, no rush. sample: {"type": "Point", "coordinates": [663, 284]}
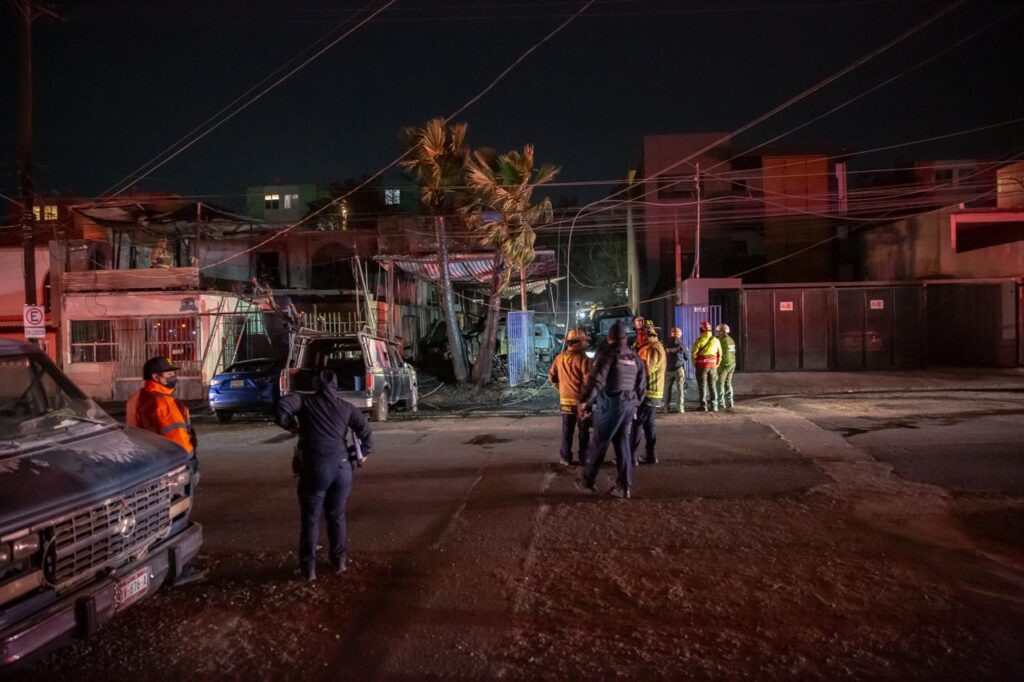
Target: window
{"type": "Point", "coordinates": [268, 269]}
{"type": "Point", "coordinates": [291, 200]}
{"type": "Point", "coordinates": [36, 213]}
{"type": "Point", "coordinates": [392, 197]}
{"type": "Point", "coordinates": [271, 202]}
{"type": "Point", "coordinates": [944, 175]}
{"type": "Point", "coordinates": [50, 212]}
{"type": "Point", "coordinates": [172, 337]}
{"type": "Point", "coordinates": [92, 341]}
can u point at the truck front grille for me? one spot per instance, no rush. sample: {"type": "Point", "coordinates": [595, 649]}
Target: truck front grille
{"type": "Point", "coordinates": [103, 536]}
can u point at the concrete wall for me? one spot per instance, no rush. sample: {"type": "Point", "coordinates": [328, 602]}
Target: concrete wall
{"type": "Point", "coordinates": [921, 247]}
{"type": "Point", "coordinates": [12, 279]}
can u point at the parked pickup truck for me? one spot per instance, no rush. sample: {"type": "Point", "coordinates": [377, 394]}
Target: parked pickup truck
{"type": "Point", "coordinates": [371, 372]}
{"type": "Point", "coordinates": [94, 516]}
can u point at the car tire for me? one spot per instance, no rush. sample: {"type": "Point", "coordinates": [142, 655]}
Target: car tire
{"type": "Point", "coordinates": [380, 408]}
{"type": "Point", "coordinates": [223, 416]}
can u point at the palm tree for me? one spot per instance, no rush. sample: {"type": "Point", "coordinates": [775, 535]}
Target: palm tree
{"type": "Point", "coordinates": [437, 156]}
{"type": "Point", "coordinates": [502, 214]}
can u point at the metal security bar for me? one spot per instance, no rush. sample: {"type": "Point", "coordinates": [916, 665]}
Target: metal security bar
{"type": "Point", "coordinates": [521, 358]}
{"type": "Point", "coordinates": [688, 319]}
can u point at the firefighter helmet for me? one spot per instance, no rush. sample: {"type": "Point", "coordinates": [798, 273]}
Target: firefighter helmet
{"type": "Point", "coordinates": [705, 326]}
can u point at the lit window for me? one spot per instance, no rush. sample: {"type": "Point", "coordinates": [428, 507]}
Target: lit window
{"type": "Point", "coordinates": [392, 197]}
{"type": "Point", "coordinates": [291, 200]}
{"type": "Point", "coordinates": [36, 213]}
{"type": "Point", "coordinates": [271, 202]}
{"type": "Point", "coordinates": [50, 212]}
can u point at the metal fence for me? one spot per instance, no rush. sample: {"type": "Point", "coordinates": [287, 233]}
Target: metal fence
{"type": "Point", "coordinates": [688, 319]}
{"type": "Point", "coordinates": [522, 361]}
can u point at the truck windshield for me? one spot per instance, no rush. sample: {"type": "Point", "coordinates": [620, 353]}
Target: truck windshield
{"type": "Point", "coordinates": [37, 402]}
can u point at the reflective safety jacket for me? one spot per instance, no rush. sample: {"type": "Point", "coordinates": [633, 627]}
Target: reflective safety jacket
{"type": "Point", "coordinates": [707, 351]}
{"type": "Point", "coordinates": [154, 408]}
{"type": "Point", "coordinates": [567, 374]}
{"type": "Point", "coordinates": [728, 351]}
{"type": "Point", "coordinates": [653, 354]}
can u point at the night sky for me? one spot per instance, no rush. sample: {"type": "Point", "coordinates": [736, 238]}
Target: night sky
{"type": "Point", "coordinates": [120, 81]}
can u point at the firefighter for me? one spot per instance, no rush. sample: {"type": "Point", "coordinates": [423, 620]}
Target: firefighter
{"type": "Point", "coordinates": [617, 382]}
{"type": "Point", "coordinates": [675, 368]}
{"type": "Point", "coordinates": [707, 353]}
{"type": "Point", "coordinates": [324, 466]}
{"type": "Point", "coordinates": [567, 374]}
{"type": "Point", "coordinates": [154, 407]}
{"type": "Point", "coordinates": [650, 350]}
{"type": "Point", "coordinates": [727, 367]}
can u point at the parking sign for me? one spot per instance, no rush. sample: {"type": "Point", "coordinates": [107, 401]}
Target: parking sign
{"type": "Point", "coordinates": [34, 318]}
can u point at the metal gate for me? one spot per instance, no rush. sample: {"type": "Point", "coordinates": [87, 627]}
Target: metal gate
{"type": "Point", "coordinates": [688, 319]}
{"type": "Point", "coordinates": [521, 357]}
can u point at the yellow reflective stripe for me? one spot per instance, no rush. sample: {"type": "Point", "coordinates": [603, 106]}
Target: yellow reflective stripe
{"type": "Point", "coordinates": [173, 427]}
{"type": "Point", "coordinates": [569, 401]}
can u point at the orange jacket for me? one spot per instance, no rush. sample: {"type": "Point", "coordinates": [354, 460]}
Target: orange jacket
{"type": "Point", "coordinates": [157, 410]}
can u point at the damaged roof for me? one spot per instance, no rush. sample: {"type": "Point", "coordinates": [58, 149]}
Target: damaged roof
{"type": "Point", "coordinates": [468, 268]}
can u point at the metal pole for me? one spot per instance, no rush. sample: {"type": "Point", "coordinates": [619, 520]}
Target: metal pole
{"type": "Point", "coordinates": [522, 289]}
{"type": "Point", "coordinates": [632, 271]}
{"type": "Point", "coordinates": [696, 254]}
{"type": "Point", "coordinates": [25, 10]}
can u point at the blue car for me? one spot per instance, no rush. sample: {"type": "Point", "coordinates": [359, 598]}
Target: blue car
{"type": "Point", "coordinates": [246, 386]}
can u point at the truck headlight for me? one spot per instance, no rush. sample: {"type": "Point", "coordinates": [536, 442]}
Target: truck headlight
{"type": "Point", "coordinates": [177, 481]}
{"type": "Point", "coordinates": [22, 548]}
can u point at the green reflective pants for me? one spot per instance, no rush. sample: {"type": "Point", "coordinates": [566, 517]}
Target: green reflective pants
{"type": "Point", "coordinates": [724, 387]}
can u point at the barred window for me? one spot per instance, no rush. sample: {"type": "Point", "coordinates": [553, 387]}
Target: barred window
{"type": "Point", "coordinates": [172, 337]}
{"type": "Point", "coordinates": [92, 341]}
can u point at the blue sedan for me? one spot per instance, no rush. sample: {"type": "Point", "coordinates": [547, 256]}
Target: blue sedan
{"type": "Point", "coordinates": [246, 386]}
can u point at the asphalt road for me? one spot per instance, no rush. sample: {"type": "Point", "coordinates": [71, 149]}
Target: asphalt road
{"type": "Point", "coordinates": [873, 535]}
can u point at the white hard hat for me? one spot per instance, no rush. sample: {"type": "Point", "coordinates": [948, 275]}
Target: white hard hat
{"type": "Point", "coordinates": [723, 328]}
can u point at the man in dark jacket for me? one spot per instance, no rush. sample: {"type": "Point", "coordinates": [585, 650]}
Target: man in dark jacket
{"type": "Point", "coordinates": [324, 467]}
{"type": "Point", "coordinates": [675, 368]}
{"type": "Point", "coordinates": [617, 383]}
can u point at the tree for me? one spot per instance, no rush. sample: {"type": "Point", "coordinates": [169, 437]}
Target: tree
{"type": "Point", "coordinates": [437, 156]}
{"type": "Point", "coordinates": [501, 212]}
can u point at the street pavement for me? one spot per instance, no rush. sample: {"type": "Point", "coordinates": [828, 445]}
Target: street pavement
{"type": "Point", "coordinates": [857, 536]}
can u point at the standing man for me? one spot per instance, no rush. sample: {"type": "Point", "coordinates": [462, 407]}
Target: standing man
{"type": "Point", "coordinates": [639, 324]}
{"type": "Point", "coordinates": [650, 350]}
{"type": "Point", "coordinates": [707, 353]}
{"type": "Point", "coordinates": [567, 374]}
{"type": "Point", "coordinates": [324, 466]}
{"type": "Point", "coordinates": [154, 408]}
{"type": "Point", "coordinates": [617, 382]}
{"type": "Point", "coordinates": [675, 368]}
{"type": "Point", "coordinates": [727, 368]}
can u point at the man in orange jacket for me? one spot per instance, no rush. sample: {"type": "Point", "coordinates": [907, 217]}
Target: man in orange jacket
{"type": "Point", "coordinates": [154, 408]}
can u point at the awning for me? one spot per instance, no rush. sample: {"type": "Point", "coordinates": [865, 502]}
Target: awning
{"type": "Point", "coordinates": [469, 268]}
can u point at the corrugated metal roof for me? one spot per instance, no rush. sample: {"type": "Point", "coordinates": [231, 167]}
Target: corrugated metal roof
{"type": "Point", "coordinates": [469, 268]}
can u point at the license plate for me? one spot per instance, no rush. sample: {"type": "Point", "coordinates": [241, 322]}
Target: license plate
{"type": "Point", "coordinates": [238, 383]}
{"type": "Point", "coordinates": [132, 587]}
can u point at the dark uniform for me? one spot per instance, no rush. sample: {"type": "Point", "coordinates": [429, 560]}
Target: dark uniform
{"type": "Point", "coordinates": [675, 371]}
{"type": "Point", "coordinates": [324, 467]}
{"type": "Point", "coordinates": [617, 382]}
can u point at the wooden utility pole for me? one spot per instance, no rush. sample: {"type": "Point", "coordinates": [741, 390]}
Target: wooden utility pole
{"type": "Point", "coordinates": [25, 17]}
{"type": "Point", "coordinates": [632, 269]}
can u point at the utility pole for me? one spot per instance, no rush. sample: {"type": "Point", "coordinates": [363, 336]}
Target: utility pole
{"type": "Point", "coordinates": [696, 254]}
{"type": "Point", "coordinates": [632, 272]}
{"type": "Point", "coordinates": [25, 17]}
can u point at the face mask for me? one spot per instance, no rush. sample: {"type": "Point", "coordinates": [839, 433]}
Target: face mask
{"type": "Point", "coordinates": [171, 382]}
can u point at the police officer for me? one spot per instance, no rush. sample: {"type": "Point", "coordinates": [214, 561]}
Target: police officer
{"type": "Point", "coordinates": [675, 368]}
{"type": "Point", "coordinates": [324, 467]}
{"type": "Point", "coordinates": [707, 353]}
{"type": "Point", "coordinates": [726, 368]}
{"type": "Point", "coordinates": [650, 350]}
{"type": "Point", "coordinates": [617, 382]}
{"type": "Point", "coordinates": [567, 374]}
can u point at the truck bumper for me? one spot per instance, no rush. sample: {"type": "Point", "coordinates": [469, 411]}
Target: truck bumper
{"type": "Point", "coordinates": [81, 612]}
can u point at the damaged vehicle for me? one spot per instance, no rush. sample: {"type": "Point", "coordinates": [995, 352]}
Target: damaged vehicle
{"type": "Point", "coordinates": [94, 516]}
{"type": "Point", "coordinates": [372, 375]}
